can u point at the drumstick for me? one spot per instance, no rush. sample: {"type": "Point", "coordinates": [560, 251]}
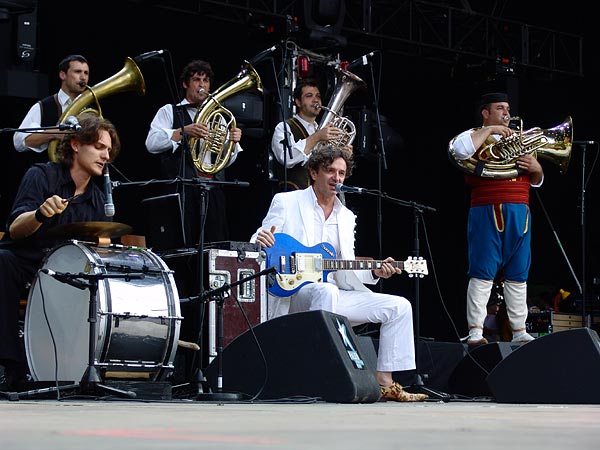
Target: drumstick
{"type": "Point", "coordinates": [190, 345]}
{"type": "Point", "coordinates": [67, 200]}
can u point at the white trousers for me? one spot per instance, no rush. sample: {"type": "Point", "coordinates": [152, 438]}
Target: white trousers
{"type": "Point", "coordinates": [394, 313]}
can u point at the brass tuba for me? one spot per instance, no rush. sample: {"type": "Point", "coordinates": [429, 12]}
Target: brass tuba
{"type": "Point", "coordinates": [346, 84]}
{"type": "Point", "coordinates": [219, 121]}
{"type": "Point", "coordinates": [129, 78]}
{"type": "Point", "coordinates": [497, 159]}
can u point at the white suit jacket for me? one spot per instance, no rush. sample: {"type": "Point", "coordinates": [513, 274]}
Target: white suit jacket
{"type": "Point", "coordinates": [292, 213]}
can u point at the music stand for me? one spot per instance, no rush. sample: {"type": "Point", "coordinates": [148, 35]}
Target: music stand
{"type": "Point", "coordinates": [91, 381]}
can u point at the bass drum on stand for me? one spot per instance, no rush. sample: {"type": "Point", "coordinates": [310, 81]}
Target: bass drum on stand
{"type": "Point", "coordinates": [138, 321]}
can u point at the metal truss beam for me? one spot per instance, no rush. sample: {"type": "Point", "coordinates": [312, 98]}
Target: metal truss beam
{"type": "Point", "coordinates": [437, 31]}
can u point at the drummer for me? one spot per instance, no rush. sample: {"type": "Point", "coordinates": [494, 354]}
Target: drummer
{"type": "Point", "coordinates": [50, 194]}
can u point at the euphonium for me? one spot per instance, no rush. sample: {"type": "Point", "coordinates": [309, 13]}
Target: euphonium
{"type": "Point", "coordinates": [219, 121]}
{"type": "Point", "coordinates": [129, 78]}
{"type": "Point", "coordinates": [497, 158]}
{"type": "Point", "coordinates": [345, 85]}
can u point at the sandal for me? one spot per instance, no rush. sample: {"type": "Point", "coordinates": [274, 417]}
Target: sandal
{"type": "Point", "coordinates": [397, 393]}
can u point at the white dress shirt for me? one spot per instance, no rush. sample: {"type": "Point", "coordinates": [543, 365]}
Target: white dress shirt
{"type": "Point", "coordinates": [298, 156]}
{"type": "Point", "coordinates": [33, 119]}
{"type": "Point", "coordinates": [161, 130]}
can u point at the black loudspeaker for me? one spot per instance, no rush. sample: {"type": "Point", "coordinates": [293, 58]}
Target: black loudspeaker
{"type": "Point", "coordinates": [469, 376]}
{"type": "Point", "coordinates": [561, 367]}
{"type": "Point", "coordinates": [313, 354]}
{"type": "Point", "coordinates": [27, 36]}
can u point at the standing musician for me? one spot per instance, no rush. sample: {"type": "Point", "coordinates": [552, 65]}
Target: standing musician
{"type": "Point", "coordinates": [50, 194]}
{"type": "Point", "coordinates": [314, 215]}
{"type": "Point", "coordinates": [303, 134]}
{"type": "Point", "coordinates": [74, 73]}
{"type": "Point", "coordinates": [171, 127]}
{"type": "Point", "coordinates": [499, 224]}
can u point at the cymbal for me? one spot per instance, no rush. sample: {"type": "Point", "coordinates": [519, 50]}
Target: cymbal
{"type": "Point", "coordinates": [90, 229]}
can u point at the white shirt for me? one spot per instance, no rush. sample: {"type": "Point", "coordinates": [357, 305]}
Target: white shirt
{"type": "Point", "coordinates": [298, 156]}
{"type": "Point", "coordinates": [161, 130]}
{"type": "Point", "coordinates": [33, 119]}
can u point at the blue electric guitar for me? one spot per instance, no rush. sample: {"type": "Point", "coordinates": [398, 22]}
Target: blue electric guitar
{"type": "Point", "coordinates": [297, 265]}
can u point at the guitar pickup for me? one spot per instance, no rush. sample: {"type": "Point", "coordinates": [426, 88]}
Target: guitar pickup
{"type": "Point", "coordinates": [309, 262]}
{"type": "Point", "coordinates": [282, 264]}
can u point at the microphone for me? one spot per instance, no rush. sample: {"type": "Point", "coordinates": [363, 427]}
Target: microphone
{"type": "Point", "coordinates": [584, 142]}
{"type": "Point", "coordinates": [70, 123]}
{"type": "Point", "coordinates": [109, 206]}
{"type": "Point", "coordinates": [363, 60]}
{"type": "Point", "coordinates": [148, 55]}
{"type": "Point", "coordinates": [67, 278]}
{"type": "Point", "coordinates": [340, 188]}
{"type": "Point", "coordinates": [262, 55]}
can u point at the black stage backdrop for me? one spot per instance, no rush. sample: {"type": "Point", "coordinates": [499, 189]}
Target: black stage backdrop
{"type": "Point", "coordinates": [424, 102]}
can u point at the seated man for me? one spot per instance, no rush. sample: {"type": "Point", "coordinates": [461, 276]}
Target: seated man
{"type": "Point", "coordinates": [315, 215]}
{"type": "Point", "coordinates": [41, 203]}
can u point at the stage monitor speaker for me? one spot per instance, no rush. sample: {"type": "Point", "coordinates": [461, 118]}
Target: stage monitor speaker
{"type": "Point", "coordinates": [561, 367]}
{"type": "Point", "coordinates": [312, 354]}
{"type": "Point", "coordinates": [469, 377]}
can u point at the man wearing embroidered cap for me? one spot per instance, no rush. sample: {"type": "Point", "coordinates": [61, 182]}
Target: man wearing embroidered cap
{"type": "Point", "coordinates": [499, 224]}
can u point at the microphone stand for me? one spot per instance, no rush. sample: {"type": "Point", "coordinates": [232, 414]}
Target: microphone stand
{"type": "Point", "coordinates": [287, 149]}
{"type": "Point", "coordinates": [381, 162]}
{"type": "Point", "coordinates": [91, 381]}
{"type": "Point", "coordinates": [205, 185]}
{"type": "Point", "coordinates": [61, 127]}
{"type": "Point", "coordinates": [218, 295]}
{"type": "Point", "coordinates": [418, 210]}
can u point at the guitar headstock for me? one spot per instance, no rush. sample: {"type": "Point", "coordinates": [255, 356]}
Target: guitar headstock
{"type": "Point", "coordinates": [415, 266]}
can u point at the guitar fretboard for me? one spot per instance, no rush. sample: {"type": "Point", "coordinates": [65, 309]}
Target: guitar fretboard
{"type": "Point", "coordinates": [356, 264]}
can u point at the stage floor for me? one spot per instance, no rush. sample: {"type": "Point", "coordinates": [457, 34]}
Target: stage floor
{"type": "Point", "coordinates": [129, 425]}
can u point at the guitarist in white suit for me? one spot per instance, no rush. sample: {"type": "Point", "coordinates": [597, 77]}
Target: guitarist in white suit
{"type": "Point", "coordinates": [314, 215]}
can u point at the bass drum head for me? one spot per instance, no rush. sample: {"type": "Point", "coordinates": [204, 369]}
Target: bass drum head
{"type": "Point", "coordinates": [137, 320]}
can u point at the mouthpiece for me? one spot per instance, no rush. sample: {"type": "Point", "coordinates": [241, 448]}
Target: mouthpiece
{"type": "Point", "coordinates": [325, 108]}
{"type": "Point", "coordinates": [82, 83]}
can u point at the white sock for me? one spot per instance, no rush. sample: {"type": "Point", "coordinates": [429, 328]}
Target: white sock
{"type": "Point", "coordinates": [475, 334]}
{"type": "Point", "coordinates": [522, 336]}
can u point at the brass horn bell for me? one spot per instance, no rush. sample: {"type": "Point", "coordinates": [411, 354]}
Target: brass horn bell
{"type": "Point", "coordinates": [497, 159]}
{"type": "Point", "coordinates": [129, 78]}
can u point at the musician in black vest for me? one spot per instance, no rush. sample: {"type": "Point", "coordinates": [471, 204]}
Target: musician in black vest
{"type": "Point", "coordinates": [74, 73]}
{"type": "Point", "coordinates": [170, 130]}
{"type": "Point", "coordinates": [302, 136]}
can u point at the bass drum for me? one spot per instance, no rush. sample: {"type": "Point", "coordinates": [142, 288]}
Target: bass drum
{"type": "Point", "coordinates": [137, 320]}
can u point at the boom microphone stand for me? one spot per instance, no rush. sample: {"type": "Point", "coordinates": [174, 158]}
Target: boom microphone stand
{"type": "Point", "coordinates": [418, 210]}
{"type": "Point", "coordinates": [91, 381]}
{"type": "Point", "coordinates": [71, 124]}
{"type": "Point", "coordinates": [218, 295]}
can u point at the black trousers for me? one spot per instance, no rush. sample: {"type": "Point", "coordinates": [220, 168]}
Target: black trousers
{"type": "Point", "coordinates": [15, 272]}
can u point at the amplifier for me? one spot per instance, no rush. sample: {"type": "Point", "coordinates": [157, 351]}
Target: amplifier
{"type": "Point", "coordinates": [229, 267]}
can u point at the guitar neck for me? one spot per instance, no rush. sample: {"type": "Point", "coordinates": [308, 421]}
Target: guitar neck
{"type": "Point", "coordinates": [356, 264]}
